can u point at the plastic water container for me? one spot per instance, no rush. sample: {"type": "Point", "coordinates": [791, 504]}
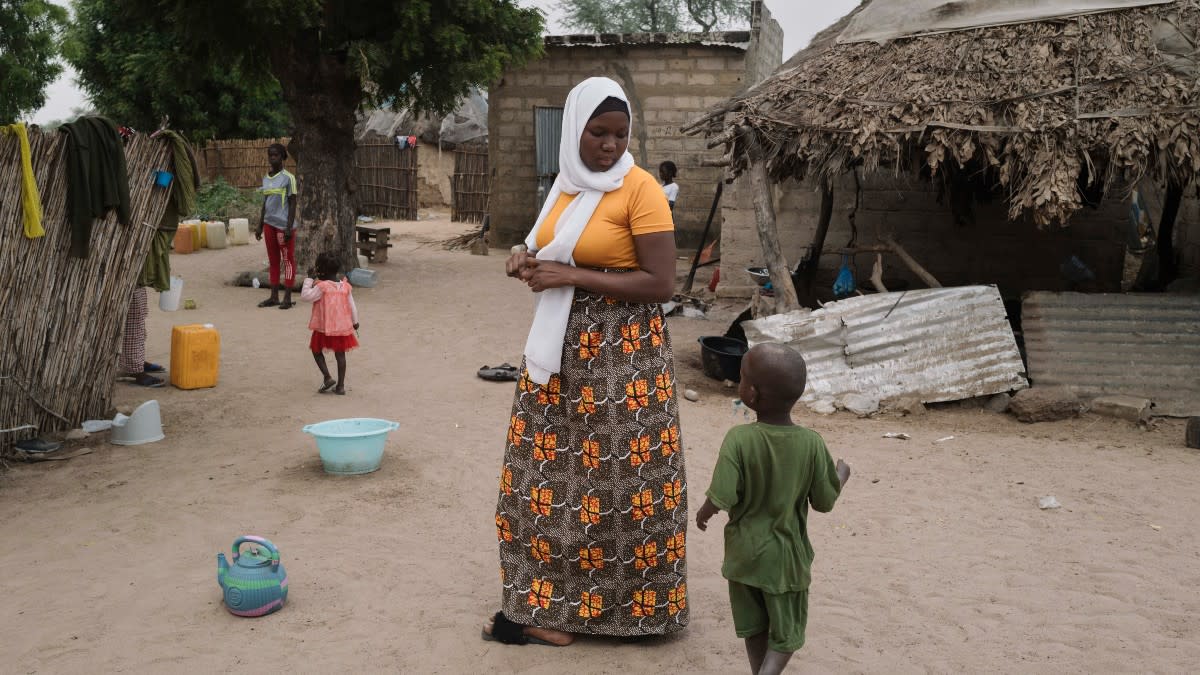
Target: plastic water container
{"type": "Point", "coordinates": [195, 356]}
{"type": "Point", "coordinates": [362, 278]}
{"type": "Point", "coordinates": [351, 446]}
{"type": "Point", "coordinates": [362, 261]}
{"type": "Point", "coordinates": [201, 235]}
{"type": "Point", "coordinates": [239, 231]}
{"type": "Point", "coordinates": [168, 301]}
{"type": "Point", "coordinates": [184, 242]}
{"type": "Point", "coordinates": [215, 234]}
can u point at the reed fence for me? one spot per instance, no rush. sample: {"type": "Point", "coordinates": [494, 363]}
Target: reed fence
{"type": "Point", "coordinates": [387, 180]}
{"type": "Point", "coordinates": [63, 318]}
{"type": "Point", "coordinates": [242, 163]}
{"type": "Point", "coordinates": [470, 185]}
{"type": "Point", "coordinates": [387, 175]}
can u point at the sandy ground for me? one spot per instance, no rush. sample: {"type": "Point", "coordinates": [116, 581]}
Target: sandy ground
{"type": "Point", "coordinates": [937, 558]}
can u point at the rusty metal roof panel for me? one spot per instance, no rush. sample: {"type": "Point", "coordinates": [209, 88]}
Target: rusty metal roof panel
{"type": "Point", "coordinates": [939, 344]}
{"type": "Point", "coordinates": [1145, 345]}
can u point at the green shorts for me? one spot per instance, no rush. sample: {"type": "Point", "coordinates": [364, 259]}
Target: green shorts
{"type": "Point", "coordinates": [781, 616]}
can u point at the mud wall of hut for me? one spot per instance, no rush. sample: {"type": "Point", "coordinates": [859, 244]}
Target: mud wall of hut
{"type": "Point", "coordinates": [668, 85]}
{"type": "Point", "coordinates": [993, 250]}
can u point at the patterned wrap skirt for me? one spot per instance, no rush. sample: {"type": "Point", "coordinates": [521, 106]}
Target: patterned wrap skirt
{"type": "Point", "coordinates": [592, 515]}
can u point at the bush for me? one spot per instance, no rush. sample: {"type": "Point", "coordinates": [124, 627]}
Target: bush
{"type": "Point", "coordinates": [219, 200]}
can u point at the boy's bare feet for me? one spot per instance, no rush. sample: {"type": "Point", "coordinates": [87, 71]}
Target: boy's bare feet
{"type": "Point", "coordinates": [555, 637]}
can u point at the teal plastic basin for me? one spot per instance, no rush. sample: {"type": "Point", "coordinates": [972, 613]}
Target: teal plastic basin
{"type": "Point", "coordinates": [351, 446]}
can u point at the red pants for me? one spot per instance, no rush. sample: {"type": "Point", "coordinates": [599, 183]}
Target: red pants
{"type": "Point", "coordinates": [282, 255]}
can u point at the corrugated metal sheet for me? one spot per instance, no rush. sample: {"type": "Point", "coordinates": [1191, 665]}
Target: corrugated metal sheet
{"type": "Point", "coordinates": [939, 344]}
{"type": "Point", "coordinates": [547, 129]}
{"type": "Point", "coordinates": [1144, 345]}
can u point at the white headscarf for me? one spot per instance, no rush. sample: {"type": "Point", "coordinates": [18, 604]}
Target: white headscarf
{"type": "Point", "coordinates": [552, 308]}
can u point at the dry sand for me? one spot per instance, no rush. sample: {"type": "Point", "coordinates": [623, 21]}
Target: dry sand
{"type": "Point", "coordinates": [937, 558]}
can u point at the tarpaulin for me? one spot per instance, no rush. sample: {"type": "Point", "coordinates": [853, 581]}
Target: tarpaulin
{"type": "Point", "coordinates": [889, 19]}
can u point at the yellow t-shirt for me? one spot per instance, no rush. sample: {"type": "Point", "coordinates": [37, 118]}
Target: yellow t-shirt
{"type": "Point", "coordinates": [637, 207]}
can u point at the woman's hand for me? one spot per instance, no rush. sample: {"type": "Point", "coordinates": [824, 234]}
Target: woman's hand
{"type": "Point", "coordinates": [515, 265]}
{"type": "Point", "coordinates": [544, 274]}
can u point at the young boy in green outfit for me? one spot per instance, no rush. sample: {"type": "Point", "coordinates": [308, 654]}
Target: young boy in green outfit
{"type": "Point", "coordinates": [767, 475]}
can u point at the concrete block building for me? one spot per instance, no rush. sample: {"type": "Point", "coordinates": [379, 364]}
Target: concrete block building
{"type": "Point", "coordinates": [670, 78]}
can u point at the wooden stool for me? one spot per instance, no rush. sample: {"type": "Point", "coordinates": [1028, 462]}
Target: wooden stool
{"type": "Point", "coordinates": [373, 242]}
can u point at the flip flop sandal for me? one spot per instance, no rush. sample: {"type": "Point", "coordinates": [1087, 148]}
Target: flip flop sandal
{"type": "Point", "coordinates": [509, 633]}
{"type": "Point", "coordinates": [327, 386]}
{"type": "Point", "coordinates": [501, 373]}
{"type": "Point", "coordinates": [153, 368]}
{"type": "Point", "coordinates": [38, 445]}
{"type": "Point", "coordinates": [268, 303]}
{"type": "Point", "coordinates": [286, 305]}
{"type": "Point", "coordinates": [149, 382]}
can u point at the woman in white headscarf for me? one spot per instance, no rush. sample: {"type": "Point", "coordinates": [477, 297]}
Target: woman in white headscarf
{"type": "Point", "coordinates": [592, 514]}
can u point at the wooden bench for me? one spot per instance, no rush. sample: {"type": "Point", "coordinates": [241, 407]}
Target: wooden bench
{"type": "Point", "coordinates": [373, 242]}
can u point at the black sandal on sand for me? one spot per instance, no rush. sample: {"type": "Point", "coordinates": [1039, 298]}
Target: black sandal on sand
{"type": "Point", "coordinates": [509, 633]}
{"type": "Point", "coordinates": [501, 373]}
{"type": "Point", "coordinates": [327, 386]}
{"type": "Point", "coordinates": [268, 303]}
{"type": "Point", "coordinates": [153, 368]}
{"type": "Point", "coordinates": [286, 305]}
{"type": "Point", "coordinates": [146, 380]}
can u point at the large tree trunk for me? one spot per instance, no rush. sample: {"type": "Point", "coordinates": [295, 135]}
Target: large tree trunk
{"type": "Point", "coordinates": [322, 95]}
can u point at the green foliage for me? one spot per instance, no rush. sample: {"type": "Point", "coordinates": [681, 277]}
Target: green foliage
{"type": "Point", "coordinates": [219, 200]}
{"type": "Point", "coordinates": [654, 16]}
{"type": "Point", "coordinates": [424, 53]}
{"type": "Point", "coordinates": [134, 71]}
{"type": "Point", "coordinates": [29, 30]}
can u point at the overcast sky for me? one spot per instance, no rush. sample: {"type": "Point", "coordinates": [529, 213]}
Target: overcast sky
{"type": "Point", "coordinates": [800, 19]}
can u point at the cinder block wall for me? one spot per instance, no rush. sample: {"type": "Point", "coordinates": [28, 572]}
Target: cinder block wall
{"type": "Point", "coordinates": [1015, 255]}
{"type": "Point", "coordinates": [666, 85]}
{"type": "Point", "coordinates": [669, 85]}
{"type": "Point", "coordinates": [1187, 236]}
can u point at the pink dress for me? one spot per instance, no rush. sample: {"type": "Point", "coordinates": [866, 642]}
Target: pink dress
{"type": "Point", "coordinates": [334, 315]}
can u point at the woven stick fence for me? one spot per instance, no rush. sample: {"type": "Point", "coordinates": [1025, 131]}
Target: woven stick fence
{"type": "Point", "coordinates": [387, 180]}
{"type": "Point", "coordinates": [469, 186]}
{"type": "Point", "coordinates": [241, 163]}
{"type": "Point", "coordinates": [63, 317]}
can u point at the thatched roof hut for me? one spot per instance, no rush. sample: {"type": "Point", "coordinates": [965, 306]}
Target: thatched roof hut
{"type": "Point", "coordinates": [1044, 110]}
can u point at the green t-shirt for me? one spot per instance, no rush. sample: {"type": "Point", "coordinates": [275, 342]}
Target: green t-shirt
{"type": "Point", "coordinates": [765, 478]}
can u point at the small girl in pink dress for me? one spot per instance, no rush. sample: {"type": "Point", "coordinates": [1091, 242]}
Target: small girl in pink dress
{"type": "Point", "coordinates": [334, 321]}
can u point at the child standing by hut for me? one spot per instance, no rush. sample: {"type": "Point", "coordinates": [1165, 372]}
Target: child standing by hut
{"type": "Point", "coordinates": [767, 475]}
{"type": "Point", "coordinates": [334, 319]}
{"type": "Point", "coordinates": [667, 173]}
{"type": "Point", "coordinates": [279, 214]}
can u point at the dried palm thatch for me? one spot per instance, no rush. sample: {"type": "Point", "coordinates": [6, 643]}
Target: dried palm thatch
{"type": "Point", "coordinates": [64, 317]}
{"type": "Point", "coordinates": [1040, 107]}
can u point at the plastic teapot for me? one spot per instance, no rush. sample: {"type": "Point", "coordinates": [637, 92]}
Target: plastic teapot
{"type": "Point", "coordinates": [256, 583]}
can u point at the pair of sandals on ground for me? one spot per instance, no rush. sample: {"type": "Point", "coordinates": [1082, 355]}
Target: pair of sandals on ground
{"type": "Point", "coordinates": [145, 379]}
{"type": "Point", "coordinates": [272, 302]}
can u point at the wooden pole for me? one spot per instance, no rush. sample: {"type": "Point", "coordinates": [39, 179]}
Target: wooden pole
{"type": "Point", "coordinates": [818, 243]}
{"type": "Point", "coordinates": [913, 265]}
{"type": "Point", "coordinates": [687, 285]}
{"type": "Point", "coordinates": [768, 233]}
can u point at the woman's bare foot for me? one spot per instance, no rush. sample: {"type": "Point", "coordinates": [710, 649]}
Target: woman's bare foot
{"type": "Point", "coordinates": [555, 637]}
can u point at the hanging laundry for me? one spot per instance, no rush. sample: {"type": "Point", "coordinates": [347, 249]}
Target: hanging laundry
{"type": "Point", "coordinates": [31, 201]}
{"type": "Point", "coordinates": [156, 272]}
{"type": "Point", "coordinates": [97, 179]}
{"type": "Point", "coordinates": [844, 284]}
